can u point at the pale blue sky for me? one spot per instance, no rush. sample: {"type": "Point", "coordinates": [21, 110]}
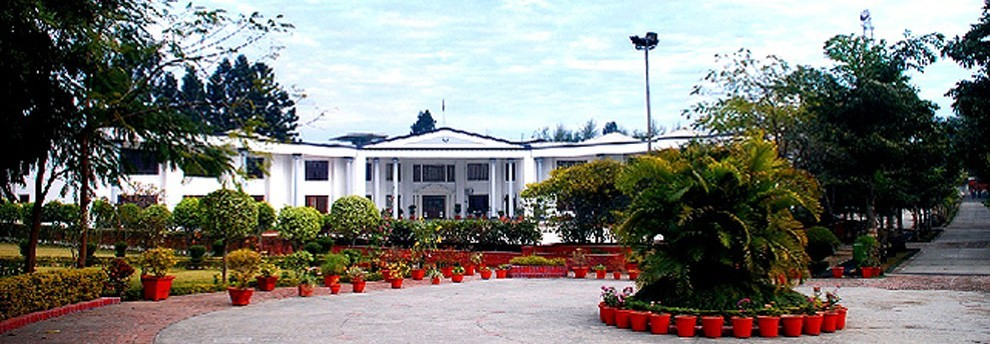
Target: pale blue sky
{"type": "Point", "coordinates": [508, 68]}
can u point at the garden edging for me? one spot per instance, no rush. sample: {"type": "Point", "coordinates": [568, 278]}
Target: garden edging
{"type": "Point", "coordinates": [30, 318]}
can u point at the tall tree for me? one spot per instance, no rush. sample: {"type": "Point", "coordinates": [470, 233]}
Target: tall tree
{"type": "Point", "coordinates": [424, 123]}
{"type": "Point", "coordinates": [246, 96]}
{"type": "Point", "coordinates": [972, 97]}
{"type": "Point", "coordinates": [612, 127]}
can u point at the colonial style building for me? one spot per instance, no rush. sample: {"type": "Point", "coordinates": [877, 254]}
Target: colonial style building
{"type": "Point", "coordinates": [438, 174]}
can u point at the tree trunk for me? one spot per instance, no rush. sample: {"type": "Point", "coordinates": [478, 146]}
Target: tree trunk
{"type": "Point", "coordinates": [84, 178]}
{"type": "Point", "coordinates": [223, 261]}
{"type": "Point", "coordinates": [39, 199]}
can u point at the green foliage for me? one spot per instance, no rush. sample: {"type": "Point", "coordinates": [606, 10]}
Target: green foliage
{"type": "Point", "coordinates": [335, 264]}
{"type": "Point", "coordinates": [313, 248]}
{"type": "Point", "coordinates": [972, 97]}
{"type": "Point", "coordinates": [326, 243]}
{"type": "Point", "coordinates": [196, 253]}
{"type": "Point", "coordinates": [586, 199]}
{"type": "Point", "coordinates": [354, 217]}
{"type": "Point", "coordinates": [299, 224]}
{"type": "Point", "coordinates": [218, 248]}
{"type": "Point", "coordinates": [537, 261]}
{"type": "Point", "coordinates": [246, 95]}
{"type": "Point", "coordinates": [266, 216]}
{"type": "Point", "coordinates": [39, 291]}
{"type": "Point", "coordinates": [188, 215]}
{"type": "Point", "coordinates": [424, 123]}
{"type": "Point", "coordinates": [724, 215]}
{"type": "Point", "coordinates": [870, 249]}
{"type": "Point", "coordinates": [297, 262]}
{"type": "Point", "coordinates": [475, 234]}
{"type": "Point", "coordinates": [118, 274]}
{"type": "Point", "coordinates": [244, 265]}
{"type": "Point", "coordinates": [129, 215]}
{"type": "Point", "coordinates": [229, 214]}
{"type": "Point", "coordinates": [157, 261]}
{"type": "Point", "coordinates": [155, 220]}
{"type": "Point", "coordinates": [104, 214]}
{"type": "Point", "coordinates": [821, 243]}
{"type": "Point", "coordinates": [120, 249]}
{"type": "Point", "coordinates": [10, 213]}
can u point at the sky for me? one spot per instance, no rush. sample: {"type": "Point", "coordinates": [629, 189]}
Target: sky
{"type": "Point", "coordinates": [509, 68]}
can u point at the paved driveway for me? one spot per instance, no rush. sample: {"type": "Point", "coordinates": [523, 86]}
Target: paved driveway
{"type": "Point", "coordinates": [962, 249]}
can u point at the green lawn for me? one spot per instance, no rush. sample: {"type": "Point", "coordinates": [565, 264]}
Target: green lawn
{"type": "Point", "coordinates": [11, 250]}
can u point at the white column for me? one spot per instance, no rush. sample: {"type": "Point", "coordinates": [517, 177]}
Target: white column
{"type": "Point", "coordinates": [349, 176]}
{"type": "Point", "coordinates": [395, 188]}
{"type": "Point", "coordinates": [296, 160]}
{"type": "Point", "coordinates": [491, 193]}
{"type": "Point", "coordinates": [539, 170]}
{"type": "Point", "coordinates": [376, 182]}
{"type": "Point", "coordinates": [511, 168]}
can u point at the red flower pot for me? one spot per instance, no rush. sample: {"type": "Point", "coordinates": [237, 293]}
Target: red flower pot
{"type": "Point", "coordinates": [637, 320]}
{"type": "Point", "coordinates": [335, 289]}
{"type": "Point", "coordinates": [742, 327]}
{"type": "Point", "coordinates": [838, 271]}
{"type": "Point", "coordinates": [457, 278]}
{"type": "Point", "coordinates": [469, 270]}
{"type": "Point", "coordinates": [685, 325]}
{"type": "Point", "coordinates": [633, 274]}
{"type": "Point", "coordinates": [501, 273]}
{"type": "Point", "coordinates": [156, 288]}
{"type": "Point", "coordinates": [659, 323]}
{"type": "Point", "coordinates": [396, 283]}
{"type": "Point", "coordinates": [813, 324]}
{"type": "Point", "coordinates": [581, 272]}
{"type": "Point", "coordinates": [769, 326]}
{"type": "Point", "coordinates": [600, 274]}
{"type": "Point", "coordinates": [829, 321]}
{"type": "Point", "coordinates": [358, 286]}
{"type": "Point", "coordinates": [792, 325]}
{"type": "Point", "coordinates": [617, 275]}
{"type": "Point", "coordinates": [267, 283]}
{"type": "Point", "coordinates": [866, 271]}
{"type": "Point", "coordinates": [622, 318]}
{"type": "Point", "coordinates": [306, 290]}
{"type": "Point", "coordinates": [601, 311]}
{"type": "Point", "coordinates": [711, 326]}
{"type": "Point", "coordinates": [417, 274]}
{"type": "Point", "coordinates": [447, 271]}
{"type": "Point", "coordinates": [386, 275]}
{"type": "Point", "coordinates": [840, 322]}
{"type": "Point", "coordinates": [435, 280]}
{"type": "Point", "coordinates": [609, 314]}
{"type": "Point", "coordinates": [240, 297]}
{"type": "Point", "coordinates": [486, 274]}
{"type": "Point", "coordinates": [330, 280]}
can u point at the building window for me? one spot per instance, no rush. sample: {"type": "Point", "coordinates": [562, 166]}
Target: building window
{"type": "Point", "coordinates": [317, 170]}
{"type": "Point", "coordinates": [258, 198]}
{"type": "Point", "coordinates": [510, 172]}
{"type": "Point", "coordinates": [568, 163]}
{"type": "Point", "coordinates": [477, 172]}
{"type": "Point", "coordinates": [320, 203]}
{"type": "Point", "coordinates": [451, 170]}
{"type": "Point", "coordinates": [23, 198]}
{"type": "Point", "coordinates": [433, 173]}
{"type": "Point", "coordinates": [140, 162]}
{"type": "Point", "coordinates": [255, 168]}
{"type": "Point", "coordinates": [477, 205]}
{"type": "Point", "coordinates": [142, 201]}
{"type": "Point", "coordinates": [388, 172]}
{"type": "Point", "coordinates": [367, 172]}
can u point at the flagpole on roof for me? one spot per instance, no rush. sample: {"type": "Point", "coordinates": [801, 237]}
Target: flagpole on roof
{"type": "Point", "coordinates": [443, 112]}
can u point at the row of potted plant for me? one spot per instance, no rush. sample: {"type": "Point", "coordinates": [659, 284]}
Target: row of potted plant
{"type": "Point", "coordinates": [618, 309]}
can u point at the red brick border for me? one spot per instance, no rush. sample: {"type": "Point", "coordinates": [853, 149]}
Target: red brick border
{"type": "Point", "coordinates": [26, 319]}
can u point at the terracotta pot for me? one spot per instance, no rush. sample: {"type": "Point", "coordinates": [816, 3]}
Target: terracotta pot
{"type": "Point", "coordinates": [335, 289]}
{"type": "Point", "coordinates": [581, 272]}
{"type": "Point", "coordinates": [358, 286]}
{"type": "Point", "coordinates": [866, 271]}
{"type": "Point", "coordinates": [501, 273]}
{"type": "Point", "coordinates": [813, 324]}
{"type": "Point", "coordinates": [685, 325]}
{"type": "Point", "coordinates": [386, 275]}
{"type": "Point", "coordinates": [877, 271]}
{"type": "Point", "coordinates": [469, 270]}
{"type": "Point", "coordinates": [240, 297]}
{"type": "Point", "coordinates": [447, 271]}
{"type": "Point", "coordinates": [609, 314]}
{"type": "Point", "coordinates": [659, 323]}
{"type": "Point", "coordinates": [637, 320]}
{"type": "Point", "coordinates": [156, 288]}
{"type": "Point", "coordinates": [711, 326]}
{"type": "Point", "coordinates": [769, 326]}
{"type": "Point", "coordinates": [396, 283]}
{"type": "Point", "coordinates": [792, 325]}
{"type": "Point", "coordinates": [742, 327]}
{"type": "Point", "coordinates": [417, 274]}
{"type": "Point", "coordinates": [457, 278]}
{"type": "Point", "coordinates": [838, 271]}
{"type": "Point", "coordinates": [306, 290]}
{"type": "Point", "coordinates": [632, 266]}
{"type": "Point", "coordinates": [617, 275]}
{"type": "Point", "coordinates": [600, 274]}
{"type": "Point", "coordinates": [486, 274]}
{"type": "Point", "coordinates": [622, 318]}
{"type": "Point", "coordinates": [267, 283]}
{"type": "Point", "coordinates": [840, 322]}
{"type": "Point", "coordinates": [633, 274]}
{"type": "Point", "coordinates": [829, 321]}
{"type": "Point", "coordinates": [601, 311]}
{"type": "Point", "coordinates": [330, 280]}
{"type": "Point", "coordinates": [435, 280]}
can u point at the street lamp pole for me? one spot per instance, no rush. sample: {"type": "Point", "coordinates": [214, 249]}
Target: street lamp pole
{"type": "Point", "coordinates": [646, 44]}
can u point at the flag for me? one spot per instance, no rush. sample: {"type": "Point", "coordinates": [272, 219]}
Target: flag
{"type": "Point", "coordinates": [443, 105]}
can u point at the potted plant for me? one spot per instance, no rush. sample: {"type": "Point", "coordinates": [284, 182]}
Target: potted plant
{"type": "Point", "coordinates": [633, 274]}
{"type": "Point", "coordinates": [600, 271]}
{"type": "Point", "coordinates": [711, 325]}
{"type": "Point", "coordinates": [155, 264]}
{"type": "Point", "coordinates": [307, 281]}
{"type": "Point", "coordinates": [742, 324]}
{"type": "Point", "coordinates": [685, 324]}
{"type": "Point", "coordinates": [477, 260]}
{"type": "Point", "coordinates": [334, 265]}
{"type": "Point", "coordinates": [486, 272]}
{"type": "Point", "coordinates": [434, 275]}
{"type": "Point", "coordinates": [638, 320]}
{"type": "Point", "coordinates": [356, 274]}
{"type": "Point", "coordinates": [791, 324]}
{"type": "Point", "coordinates": [768, 321]}
{"type": "Point", "coordinates": [399, 270]}
{"type": "Point", "coordinates": [457, 274]}
{"type": "Point", "coordinates": [866, 252]}
{"type": "Point", "coordinates": [580, 263]}
{"type": "Point", "coordinates": [268, 276]}
{"type": "Point", "coordinates": [503, 271]}
{"type": "Point", "coordinates": [834, 313]}
{"type": "Point", "coordinates": [244, 265]}
{"type": "Point", "coordinates": [659, 323]}
{"type": "Point", "coordinates": [608, 305]}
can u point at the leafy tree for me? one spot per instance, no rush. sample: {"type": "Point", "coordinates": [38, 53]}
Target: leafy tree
{"type": "Point", "coordinates": [156, 219]}
{"type": "Point", "coordinates": [612, 127]}
{"type": "Point", "coordinates": [424, 123]}
{"type": "Point", "coordinates": [585, 198]}
{"type": "Point", "coordinates": [972, 97]}
{"type": "Point", "coordinates": [188, 216]}
{"type": "Point", "coordinates": [266, 216]}
{"type": "Point", "coordinates": [724, 214]}
{"type": "Point", "coordinates": [353, 217]}
{"type": "Point", "coordinates": [299, 224]}
{"type": "Point", "coordinates": [562, 134]}
{"type": "Point", "coordinates": [229, 215]}
{"type": "Point", "coordinates": [245, 95]}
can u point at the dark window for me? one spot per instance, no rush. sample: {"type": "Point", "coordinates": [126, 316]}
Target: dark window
{"type": "Point", "coordinates": [320, 203]}
{"type": "Point", "coordinates": [258, 198]}
{"type": "Point", "coordinates": [417, 173]}
{"type": "Point", "coordinates": [317, 170]}
{"type": "Point", "coordinates": [136, 161]}
{"type": "Point", "coordinates": [255, 168]}
{"type": "Point", "coordinates": [568, 163]}
{"type": "Point", "coordinates": [367, 172]}
{"type": "Point", "coordinates": [388, 173]}
{"type": "Point", "coordinates": [476, 172]}
{"type": "Point", "coordinates": [434, 173]}
{"type": "Point", "coordinates": [23, 198]}
{"type": "Point", "coordinates": [450, 173]}
{"type": "Point", "coordinates": [510, 172]}
{"type": "Point", "coordinates": [477, 205]}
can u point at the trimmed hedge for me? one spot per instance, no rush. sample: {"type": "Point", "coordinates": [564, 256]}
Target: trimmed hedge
{"type": "Point", "coordinates": [485, 235]}
{"type": "Point", "coordinates": [39, 291]}
{"type": "Point", "coordinates": [537, 261]}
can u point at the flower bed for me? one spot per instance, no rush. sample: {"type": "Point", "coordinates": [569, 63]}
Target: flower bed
{"type": "Point", "coordinates": [529, 271]}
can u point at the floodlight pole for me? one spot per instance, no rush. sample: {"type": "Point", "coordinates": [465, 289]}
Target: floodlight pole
{"type": "Point", "coordinates": [646, 44]}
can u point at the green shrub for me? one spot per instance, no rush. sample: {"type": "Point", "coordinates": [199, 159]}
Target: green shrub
{"type": "Point", "coordinates": [821, 243]}
{"type": "Point", "coordinates": [299, 224]}
{"type": "Point", "coordinates": [335, 264]}
{"type": "Point", "coordinates": [354, 217]}
{"type": "Point", "coordinates": [120, 249]}
{"type": "Point", "coordinates": [266, 216]}
{"type": "Point", "coordinates": [23, 246]}
{"type": "Point", "coordinates": [39, 291]}
{"type": "Point", "coordinates": [157, 261]}
{"type": "Point", "coordinates": [11, 266]}
{"type": "Point", "coordinates": [229, 214]}
{"type": "Point", "coordinates": [313, 248]}
{"type": "Point", "coordinates": [218, 248]}
{"type": "Point", "coordinates": [244, 265]}
{"type": "Point", "coordinates": [91, 253]}
{"type": "Point", "coordinates": [869, 252]}
{"type": "Point", "coordinates": [118, 273]}
{"type": "Point", "coordinates": [326, 243]}
{"type": "Point", "coordinates": [196, 253]}
{"type": "Point", "coordinates": [537, 261]}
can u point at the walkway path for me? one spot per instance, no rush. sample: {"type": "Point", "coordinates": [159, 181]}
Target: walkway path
{"type": "Point", "coordinates": [962, 249]}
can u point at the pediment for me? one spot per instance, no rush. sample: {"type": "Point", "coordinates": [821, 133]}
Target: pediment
{"type": "Point", "coordinates": [444, 138]}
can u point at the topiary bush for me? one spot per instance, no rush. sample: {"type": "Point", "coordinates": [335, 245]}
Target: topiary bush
{"type": "Point", "coordinates": [196, 253]}
{"type": "Point", "coordinates": [120, 249]}
{"type": "Point", "coordinates": [218, 248]}
{"type": "Point", "coordinates": [299, 224]}
{"type": "Point", "coordinates": [229, 215]}
{"type": "Point", "coordinates": [266, 216]}
{"type": "Point", "coordinates": [156, 219]}
{"type": "Point", "coordinates": [326, 243]}
{"type": "Point", "coordinates": [313, 248]}
{"type": "Point", "coordinates": [354, 217]}
{"type": "Point", "coordinates": [43, 290]}
{"type": "Point", "coordinates": [157, 261]}
{"type": "Point", "coordinates": [537, 261]}
{"type": "Point", "coordinates": [821, 243]}
{"type": "Point", "coordinates": [244, 264]}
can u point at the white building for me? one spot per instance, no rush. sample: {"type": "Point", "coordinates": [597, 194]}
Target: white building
{"type": "Point", "coordinates": [442, 173]}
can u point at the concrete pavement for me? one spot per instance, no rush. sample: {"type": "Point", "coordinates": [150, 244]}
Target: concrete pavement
{"type": "Point", "coordinates": [963, 248]}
